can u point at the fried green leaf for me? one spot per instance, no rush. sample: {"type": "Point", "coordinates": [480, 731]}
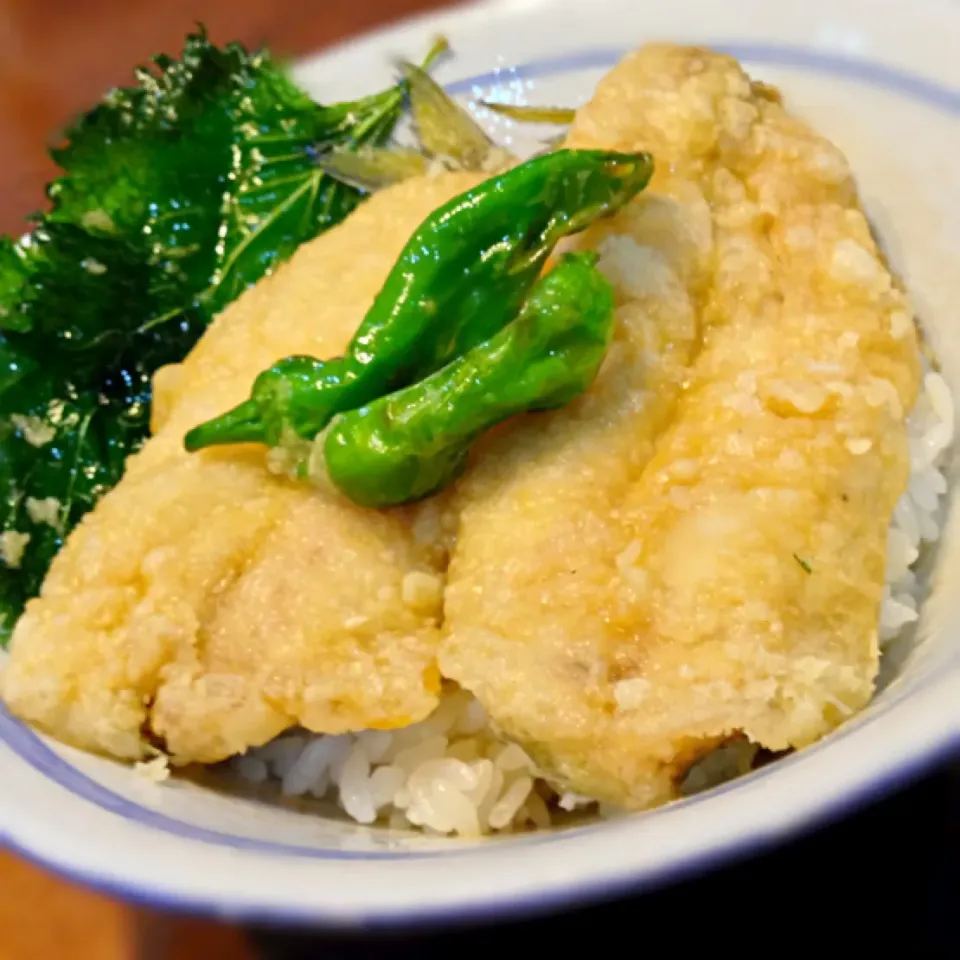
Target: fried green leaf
{"type": "Point", "coordinates": [176, 194]}
{"type": "Point", "coordinates": [529, 114]}
{"type": "Point", "coordinates": [444, 129]}
{"type": "Point", "coordinates": [373, 168]}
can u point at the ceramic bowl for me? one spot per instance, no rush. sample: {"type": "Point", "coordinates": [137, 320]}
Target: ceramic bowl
{"type": "Point", "coordinates": [883, 81]}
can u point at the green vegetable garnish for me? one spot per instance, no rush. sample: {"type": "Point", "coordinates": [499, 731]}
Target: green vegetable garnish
{"type": "Point", "coordinates": [448, 138]}
{"type": "Point", "coordinates": [445, 130]}
{"type": "Point", "coordinates": [528, 114]}
{"type": "Point", "coordinates": [373, 168]}
{"type": "Point", "coordinates": [177, 194]}
{"type": "Point", "coordinates": [411, 443]}
{"type": "Point", "coordinates": [463, 275]}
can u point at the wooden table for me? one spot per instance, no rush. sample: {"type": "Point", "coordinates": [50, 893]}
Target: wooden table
{"type": "Point", "coordinates": [56, 58]}
{"type": "Point", "coordinates": [45, 918]}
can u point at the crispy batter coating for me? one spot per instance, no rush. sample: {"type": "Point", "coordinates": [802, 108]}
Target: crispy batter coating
{"type": "Point", "coordinates": [211, 603]}
{"type": "Point", "coordinates": [696, 550]}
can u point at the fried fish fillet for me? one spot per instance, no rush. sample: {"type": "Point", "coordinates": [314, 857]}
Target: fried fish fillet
{"type": "Point", "coordinates": [211, 603]}
{"type": "Point", "coordinates": [695, 551]}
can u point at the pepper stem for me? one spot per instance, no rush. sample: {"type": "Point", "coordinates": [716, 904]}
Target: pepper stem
{"type": "Point", "coordinates": [242, 424]}
{"type": "Point", "coordinates": [440, 46]}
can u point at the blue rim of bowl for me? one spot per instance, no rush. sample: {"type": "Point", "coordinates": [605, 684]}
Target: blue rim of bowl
{"type": "Point", "coordinates": [868, 72]}
{"type": "Point", "coordinates": [517, 906]}
{"type": "Point", "coordinates": [31, 749]}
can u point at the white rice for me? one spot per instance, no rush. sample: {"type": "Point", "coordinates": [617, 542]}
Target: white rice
{"type": "Point", "coordinates": [917, 519]}
{"type": "Point", "coordinates": [450, 774]}
{"type": "Point", "coordinates": [447, 774]}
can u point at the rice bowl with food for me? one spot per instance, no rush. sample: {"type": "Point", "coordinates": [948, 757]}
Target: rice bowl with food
{"type": "Point", "coordinates": [451, 773]}
{"type": "Point", "coordinates": [500, 490]}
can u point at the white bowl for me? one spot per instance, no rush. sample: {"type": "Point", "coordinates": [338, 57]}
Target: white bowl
{"type": "Point", "coordinates": [883, 81]}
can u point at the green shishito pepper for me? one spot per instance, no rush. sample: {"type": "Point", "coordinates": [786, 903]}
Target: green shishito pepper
{"type": "Point", "coordinates": [462, 277]}
{"type": "Point", "coordinates": [411, 443]}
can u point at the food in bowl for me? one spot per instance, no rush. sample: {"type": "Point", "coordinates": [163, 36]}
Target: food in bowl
{"type": "Point", "coordinates": [694, 555]}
